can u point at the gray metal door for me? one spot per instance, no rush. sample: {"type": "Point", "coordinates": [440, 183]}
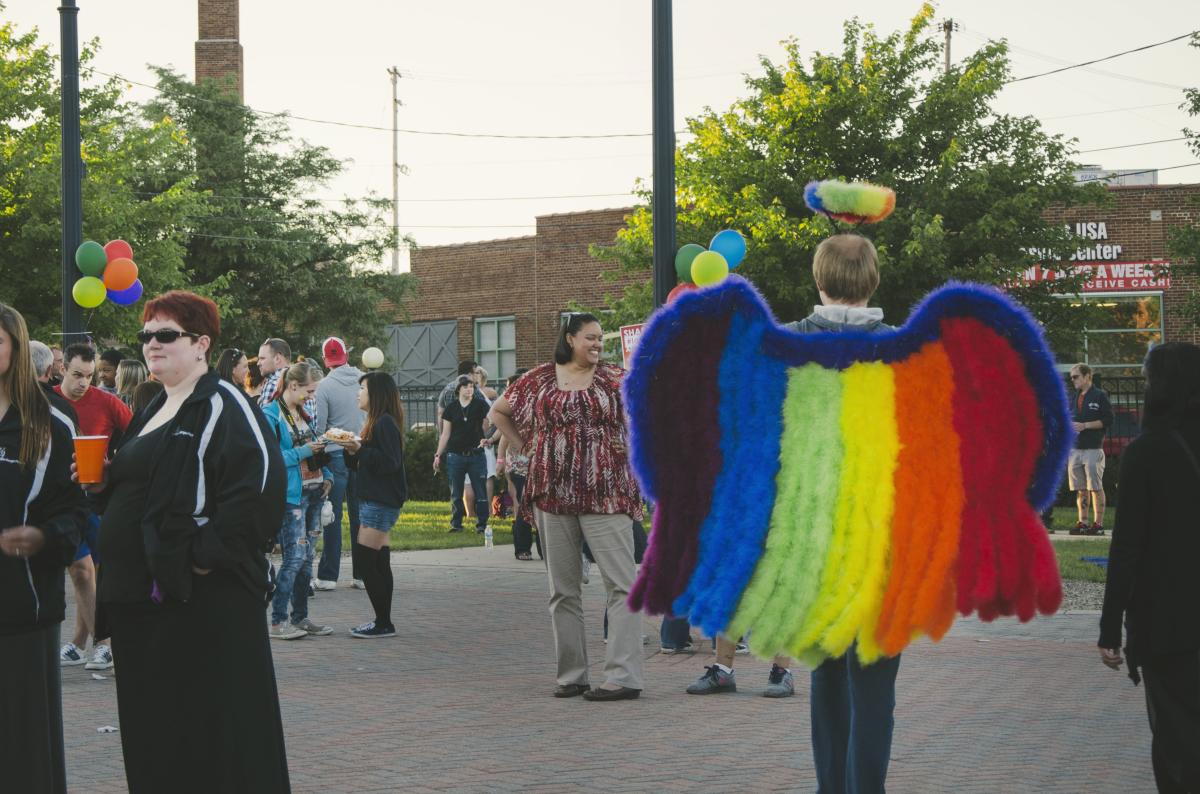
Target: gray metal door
{"type": "Point", "coordinates": [426, 354]}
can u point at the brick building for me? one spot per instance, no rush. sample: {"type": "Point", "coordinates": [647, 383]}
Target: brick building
{"type": "Point", "coordinates": [218, 50]}
{"type": "Point", "coordinates": [501, 301]}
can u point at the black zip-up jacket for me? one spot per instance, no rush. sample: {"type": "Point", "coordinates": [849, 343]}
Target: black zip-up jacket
{"type": "Point", "coordinates": [217, 490]}
{"type": "Point", "coordinates": [31, 588]}
{"type": "Point", "coordinates": [380, 465]}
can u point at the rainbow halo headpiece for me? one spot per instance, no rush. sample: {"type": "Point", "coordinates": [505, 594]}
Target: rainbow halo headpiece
{"type": "Point", "coordinates": [852, 202]}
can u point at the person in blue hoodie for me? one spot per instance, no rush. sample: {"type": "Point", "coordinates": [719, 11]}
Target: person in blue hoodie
{"type": "Point", "coordinates": [309, 482]}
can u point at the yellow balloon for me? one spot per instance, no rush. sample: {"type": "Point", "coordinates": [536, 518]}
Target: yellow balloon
{"type": "Point", "coordinates": [709, 268]}
{"type": "Point", "coordinates": [372, 358]}
{"type": "Point", "coordinates": [89, 292]}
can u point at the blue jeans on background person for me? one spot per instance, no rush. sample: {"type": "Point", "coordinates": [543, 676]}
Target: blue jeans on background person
{"type": "Point", "coordinates": [344, 490]}
{"type": "Point", "coordinates": [674, 632]}
{"type": "Point", "coordinates": [458, 468]}
{"type": "Point", "coordinates": [311, 501]}
{"type": "Point", "coordinates": [852, 720]}
{"type": "Point", "coordinates": [293, 556]}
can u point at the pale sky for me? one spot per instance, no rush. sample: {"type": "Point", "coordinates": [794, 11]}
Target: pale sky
{"type": "Point", "coordinates": [567, 68]}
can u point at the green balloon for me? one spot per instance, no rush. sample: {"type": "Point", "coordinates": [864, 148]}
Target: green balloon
{"type": "Point", "coordinates": [89, 292]}
{"type": "Point", "coordinates": [684, 259]}
{"type": "Point", "coordinates": [90, 258]}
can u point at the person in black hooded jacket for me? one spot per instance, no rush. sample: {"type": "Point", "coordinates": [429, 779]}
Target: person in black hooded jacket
{"type": "Point", "coordinates": [1152, 580]}
{"type": "Point", "coordinates": [41, 518]}
{"type": "Point", "coordinates": [189, 500]}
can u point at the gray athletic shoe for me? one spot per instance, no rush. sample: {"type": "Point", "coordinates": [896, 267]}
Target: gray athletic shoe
{"type": "Point", "coordinates": [286, 631]}
{"type": "Point", "coordinates": [779, 683]}
{"type": "Point", "coordinates": [713, 681]}
{"type": "Point", "coordinates": [313, 628]}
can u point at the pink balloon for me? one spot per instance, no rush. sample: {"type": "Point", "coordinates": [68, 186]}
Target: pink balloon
{"type": "Point", "coordinates": [118, 249]}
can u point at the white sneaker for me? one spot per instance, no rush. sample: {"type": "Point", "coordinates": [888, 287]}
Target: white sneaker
{"type": "Point", "coordinates": [101, 658]}
{"type": "Point", "coordinates": [286, 631]}
{"type": "Point", "coordinates": [359, 584]}
{"type": "Point", "coordinates": [70, 655]}
{"type": "Point", "coordinates": [324, 584]}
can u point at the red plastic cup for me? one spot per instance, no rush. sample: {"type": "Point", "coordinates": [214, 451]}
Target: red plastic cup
{"type": "Point", "coordinates": [89, 458]}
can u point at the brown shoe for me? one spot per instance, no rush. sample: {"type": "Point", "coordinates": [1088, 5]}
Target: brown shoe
{"type": "Point", "coordinates": [570, 690]}
{"type": "Point", "coordinates": [621, 693]}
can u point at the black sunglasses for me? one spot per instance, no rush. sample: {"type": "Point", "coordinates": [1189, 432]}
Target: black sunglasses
{"type": "Point", "coordinates": [165, 336]}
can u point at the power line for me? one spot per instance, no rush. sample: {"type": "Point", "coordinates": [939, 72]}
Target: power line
{"type": "Point", "coordinates": [1121, 174]}
{"type": "Point", "coordinates": [1101, 60]}
{"type": "Point", "coordinates": [442, 133]}
{"type": "Point", "coordinates": [1131, 145]}
{"type": "Point", "coordinates": [1110, 110]}
{"type": "Point", "coordinates": [412, 200]}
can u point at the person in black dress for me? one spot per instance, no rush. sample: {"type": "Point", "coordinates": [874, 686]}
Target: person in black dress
{"type": "Point", "coordinates": [1152, 582]}
{"type": "Point", "coordinates": [189, 500]}
{"type": "Point", "coordinates": [41, 519]}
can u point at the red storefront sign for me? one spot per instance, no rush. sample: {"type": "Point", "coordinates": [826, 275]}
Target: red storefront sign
{"type": "Point", "coordinates": [630, 334]}
{"type": "Point", "coordinates": [1107, 276]}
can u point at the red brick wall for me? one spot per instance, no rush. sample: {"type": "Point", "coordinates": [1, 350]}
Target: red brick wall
{"type": "Point", "coordinates": [218, 52]}
{"type": "Point", "coordinates": [1129, 223]}
{"type": "Point", "coordinates": [531, 279]}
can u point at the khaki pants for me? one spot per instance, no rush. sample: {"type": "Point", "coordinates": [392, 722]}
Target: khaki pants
{"type": "Point", "coordinates": [610, 538]}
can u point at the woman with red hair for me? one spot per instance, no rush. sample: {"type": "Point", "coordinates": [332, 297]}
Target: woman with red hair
{"type": "Point", "coordinates": [189, 499]}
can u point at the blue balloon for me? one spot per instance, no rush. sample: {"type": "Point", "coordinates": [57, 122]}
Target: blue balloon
{"type": "Point", "coordinates": [128, 296]}
{"type": "Point", "coordinates": [730, 244]}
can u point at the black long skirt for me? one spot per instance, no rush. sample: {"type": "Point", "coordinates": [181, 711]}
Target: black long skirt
{"type": "Point", "coordinates": [31, 729]}
{"type": "Point", "coordinates": [196, 692]}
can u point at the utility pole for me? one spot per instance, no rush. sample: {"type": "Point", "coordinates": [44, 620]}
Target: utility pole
{"type": "Point", "coordinates": [395, 75]}
{"type": "Point", "coordinates": [664, 154]}
{"type": "Point", "coordinates": [948, 27]}
{"type": "Point", "coordinates": [72, 169]}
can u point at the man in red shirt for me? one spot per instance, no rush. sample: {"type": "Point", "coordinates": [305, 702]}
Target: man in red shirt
{"type": "Point", "coordinates": [100, 414]}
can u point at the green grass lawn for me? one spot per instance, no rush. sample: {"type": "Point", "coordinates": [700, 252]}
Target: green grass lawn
{"type": "Point", "coordinates": [426, 525]}
{"type": "Point", "coordinates": [1071, 567]}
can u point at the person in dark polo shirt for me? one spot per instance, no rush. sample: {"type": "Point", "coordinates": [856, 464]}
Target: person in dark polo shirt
{"type": "Point", "coordinates": [1093, 415]}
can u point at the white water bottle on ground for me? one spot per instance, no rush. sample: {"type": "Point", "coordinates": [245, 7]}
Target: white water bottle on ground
{"type": "Point", "coordinates": [487, 537]}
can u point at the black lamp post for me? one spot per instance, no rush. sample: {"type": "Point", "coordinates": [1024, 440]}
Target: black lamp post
{"type": "Point", "coordinates": [72, 169]}
{"type": "Point", "coordinates": [664, 154]}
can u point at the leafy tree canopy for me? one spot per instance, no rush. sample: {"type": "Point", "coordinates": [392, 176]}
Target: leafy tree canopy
{"type": "Point", "coordinates": [971, 184]}
{"type": "Point", "coordinates": [1185, 243]}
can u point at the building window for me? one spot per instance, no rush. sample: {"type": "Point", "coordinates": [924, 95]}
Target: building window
{"type": "Point", "coordinates": [1130, 324]}
{"type": "Point", "coordinates": [496, 346]}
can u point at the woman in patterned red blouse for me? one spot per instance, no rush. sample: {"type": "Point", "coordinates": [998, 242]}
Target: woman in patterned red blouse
{"type": "Point", "coordinates": [569, 417]}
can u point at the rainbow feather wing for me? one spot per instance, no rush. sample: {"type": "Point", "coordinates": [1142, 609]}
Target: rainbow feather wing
{"type": "Point", "coordinates": [824, 489]}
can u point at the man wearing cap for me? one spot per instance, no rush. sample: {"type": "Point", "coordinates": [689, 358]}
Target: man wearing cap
{"type": "Point", "coordinates": [337, 406]}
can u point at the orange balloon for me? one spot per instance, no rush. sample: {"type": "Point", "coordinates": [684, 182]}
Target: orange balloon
{"type": "Point", "coordinates": [120, 274]}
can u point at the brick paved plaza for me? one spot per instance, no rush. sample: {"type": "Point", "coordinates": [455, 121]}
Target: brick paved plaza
{"type": "Point", "coordinates": [461, 702]}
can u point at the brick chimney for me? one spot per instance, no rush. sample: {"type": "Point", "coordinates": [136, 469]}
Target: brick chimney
{"type": "Point", "coordinates": [218, 51]}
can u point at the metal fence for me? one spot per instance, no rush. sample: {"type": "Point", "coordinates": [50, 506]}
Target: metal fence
{"type": "Point", "coordinates": [420, 404]}
{"type": "Point", "coordinates": [1126, 394]}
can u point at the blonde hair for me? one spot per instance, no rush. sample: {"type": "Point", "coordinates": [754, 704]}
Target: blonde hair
{"type": "Point", "coordinates": [24, 392]}
{"type": "Point", "coordinates": [846, 268]}
{"type": "Point", "coordinates": [130, 373]}
{"type": "Point", "coordinates": [301, 373]}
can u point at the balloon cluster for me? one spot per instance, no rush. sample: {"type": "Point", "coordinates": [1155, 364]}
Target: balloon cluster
{"type": "Point", "coordinates": [698, 267]}
{"type": "Point", "coordinates": [108, 272]}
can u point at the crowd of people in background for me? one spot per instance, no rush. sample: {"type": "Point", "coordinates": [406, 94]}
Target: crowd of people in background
{"type": "Point", "coordinates": [215, 460]}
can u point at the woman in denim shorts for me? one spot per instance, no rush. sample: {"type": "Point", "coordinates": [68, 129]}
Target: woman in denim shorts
{"type": "Point", "coordinates": [382, 490]}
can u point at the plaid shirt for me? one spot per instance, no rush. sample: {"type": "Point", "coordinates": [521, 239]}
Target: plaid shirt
{"type": "Point", "coordinates": [271, 384]}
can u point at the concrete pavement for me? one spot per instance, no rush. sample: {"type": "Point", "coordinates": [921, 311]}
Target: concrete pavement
{"type": "Point", "coordinates": [460, 701]}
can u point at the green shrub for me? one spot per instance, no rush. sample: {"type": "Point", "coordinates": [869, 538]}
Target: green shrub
{"type": "Point", "coordinates": [423, 484]}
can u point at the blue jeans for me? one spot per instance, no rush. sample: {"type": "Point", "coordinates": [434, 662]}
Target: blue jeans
{"type": "Point", "coordinates": [344, 490]}
{"type": "Point", "coordinates": [675, 632]}
{"type": "Point", "coordinates": [297, 539]}
{"type": "Point", "coordinates": [458, 468]}
{"type": "Point", "coordinates": [852, 723]}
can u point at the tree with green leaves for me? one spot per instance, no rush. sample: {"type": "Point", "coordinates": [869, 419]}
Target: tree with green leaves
{"type": "Point", "coordinates": [130, 189]}
{"type": "Point", "coordinates": [1185, 242]}
{"type": "Point", "coordinates": [971, 184]}
{"type": "Point", "coordinates": [296, 266]}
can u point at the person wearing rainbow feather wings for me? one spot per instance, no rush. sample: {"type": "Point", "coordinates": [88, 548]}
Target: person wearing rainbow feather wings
{"type": "Point", "coordinates": [861, 484]}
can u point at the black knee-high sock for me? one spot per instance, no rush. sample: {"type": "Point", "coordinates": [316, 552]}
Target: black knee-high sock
{"type": "Point", "coordinates": [383, 606]}
{"type": "Point", "coordinates": [356, 560]}
{"type": "Point", "coordinates": [370, 575]}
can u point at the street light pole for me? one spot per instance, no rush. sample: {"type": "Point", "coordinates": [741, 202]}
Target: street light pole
{"type": "Point", "coordinates": [72, 169]}
{"type": "Point", "coordinates": [663, 206]}
{"type": "Point", "coordinates": [394, 73]}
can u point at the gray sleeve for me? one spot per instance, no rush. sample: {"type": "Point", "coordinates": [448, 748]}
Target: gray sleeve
{"type": "Point", "coordinates": [321, 420]}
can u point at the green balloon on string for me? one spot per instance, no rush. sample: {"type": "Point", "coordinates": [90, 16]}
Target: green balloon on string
{"type": "Point", "coordinates": [683, 261]}
{"type": "Point", "coordinates": [90, 258]}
